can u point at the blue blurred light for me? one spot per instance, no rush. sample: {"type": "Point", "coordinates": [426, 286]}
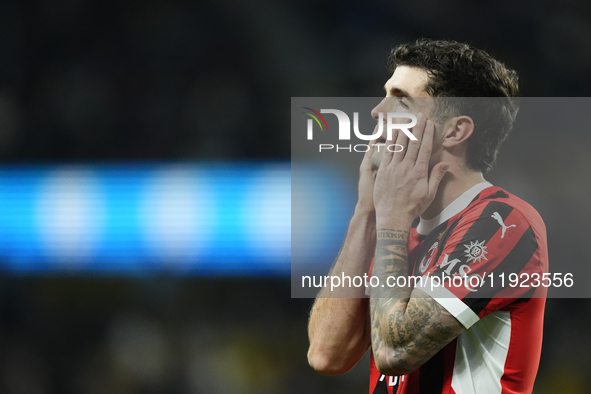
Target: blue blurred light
{"type": "Point", "coordinates": [146, 219]}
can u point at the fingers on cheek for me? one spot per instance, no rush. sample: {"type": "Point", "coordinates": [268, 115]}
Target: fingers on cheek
{"type": "Point", "coordinates": [400, 136]}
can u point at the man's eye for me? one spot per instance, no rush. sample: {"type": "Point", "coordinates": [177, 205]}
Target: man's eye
{"type": "Point", "coordinates": [402, 103]}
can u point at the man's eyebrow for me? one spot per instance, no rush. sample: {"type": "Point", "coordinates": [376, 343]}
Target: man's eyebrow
{"type": "Point", "coordinates": [399, 92]}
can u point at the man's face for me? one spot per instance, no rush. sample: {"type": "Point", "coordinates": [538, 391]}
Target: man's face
{"type": "Point", "coordinates": [405, 92]}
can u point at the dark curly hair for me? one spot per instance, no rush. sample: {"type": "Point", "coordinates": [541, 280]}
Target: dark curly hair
{"type": "Point", "coordinates": [458, 71]}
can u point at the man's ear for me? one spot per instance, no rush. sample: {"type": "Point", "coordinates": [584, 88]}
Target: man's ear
{"type": "Point", "coordinates": [458, 130]}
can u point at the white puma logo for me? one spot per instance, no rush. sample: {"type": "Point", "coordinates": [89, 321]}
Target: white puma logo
{"type": "Point", "coordinates": [499, 219]}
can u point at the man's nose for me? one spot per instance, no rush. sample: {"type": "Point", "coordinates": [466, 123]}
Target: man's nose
{"type": "Point", "coordinates": [375, 113]}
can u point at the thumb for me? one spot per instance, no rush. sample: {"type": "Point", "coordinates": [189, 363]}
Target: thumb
{"type": "Point", "coordinates": [437, 174]}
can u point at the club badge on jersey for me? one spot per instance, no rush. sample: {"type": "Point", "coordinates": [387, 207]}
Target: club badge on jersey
{"type": "Point", "coordinates": [426, 261]}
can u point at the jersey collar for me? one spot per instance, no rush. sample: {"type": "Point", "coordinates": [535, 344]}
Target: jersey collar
{"type": "Point", "coordinates": [459, 204]}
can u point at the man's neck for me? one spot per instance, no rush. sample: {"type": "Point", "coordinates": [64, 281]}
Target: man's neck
{"type": "Point", "coordinates": [453, 185]}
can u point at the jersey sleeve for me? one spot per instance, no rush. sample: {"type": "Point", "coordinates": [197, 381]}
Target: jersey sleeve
{"type": "Point", "coordinates": [489, 258]}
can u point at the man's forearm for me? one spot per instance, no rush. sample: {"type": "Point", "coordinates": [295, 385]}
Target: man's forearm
{"type": "Point", "coordinates": [355, 255]}
{"type": "Point", "coordinates": [388, 303]}
{"type": "Point", "coordinates": [405, 331]}
{"type": "Point", "coordinates": [339, 328]}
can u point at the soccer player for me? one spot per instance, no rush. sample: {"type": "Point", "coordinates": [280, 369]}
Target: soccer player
{"type": "Point", "coordinates": [428, 210]}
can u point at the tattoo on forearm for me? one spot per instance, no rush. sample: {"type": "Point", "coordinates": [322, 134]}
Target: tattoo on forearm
{"type": "Point", "coordinates": [392, 234]}
{"type": "Point", "coordinates": [408, 329]}
{"type": "Point", "coordinates": [390, 261]}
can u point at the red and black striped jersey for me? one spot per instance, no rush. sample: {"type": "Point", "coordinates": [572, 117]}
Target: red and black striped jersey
{"type": "Point", "coordinates": [491, 236]}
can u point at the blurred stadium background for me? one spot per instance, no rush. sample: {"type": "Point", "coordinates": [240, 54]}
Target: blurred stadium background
{"type": "Point", "coordinates": [145, 182]}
